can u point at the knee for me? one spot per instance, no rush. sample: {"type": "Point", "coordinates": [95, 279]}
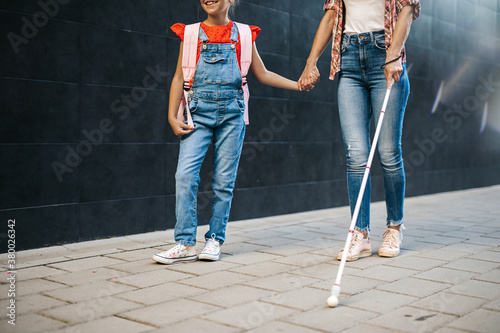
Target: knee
{"type": "Point", "coordinates": [184, 178]}
{"type": "Point", "coordinates": [356, 159]}
{"type": "Point", "coordinates": [391, 159]}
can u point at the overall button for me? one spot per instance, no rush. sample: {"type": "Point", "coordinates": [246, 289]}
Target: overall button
{"type": "Point", "coordinates": [190, 99]}
{"type": "Point", "coordinates": [240, 91]}
{"type": "Point", "coordinates": [232, 46]}
{"type": "Point", "coordinates": [191, 92]}
{"type": "Point", "coordinates": [204, 47]}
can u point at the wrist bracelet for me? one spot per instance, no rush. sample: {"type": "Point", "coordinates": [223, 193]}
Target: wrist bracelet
{"type": "Point", "coordinates": [390, 62]}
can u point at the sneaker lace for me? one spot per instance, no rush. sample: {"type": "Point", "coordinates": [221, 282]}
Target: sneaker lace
{"type": "Point", "coordinates": [391, 239]}
{"type": "Point", "coordinates": [212, 245]}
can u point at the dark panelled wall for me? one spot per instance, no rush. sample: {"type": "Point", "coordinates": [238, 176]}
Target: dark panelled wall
{"type": "Point", "coordinates": [86, 151]}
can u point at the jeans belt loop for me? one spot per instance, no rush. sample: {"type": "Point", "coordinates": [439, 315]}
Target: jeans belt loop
{"type": "Point", "coordinates": [371, 37]}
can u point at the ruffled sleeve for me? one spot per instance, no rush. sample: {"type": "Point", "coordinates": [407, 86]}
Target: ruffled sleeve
{"type": "Point", "coordinates": [178, 29]}
{"type": "Point", "coordinates": [255, 32]}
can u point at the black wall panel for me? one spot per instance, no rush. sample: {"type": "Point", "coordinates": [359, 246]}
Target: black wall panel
{"type": "Point", "coordinates": [86, 151]}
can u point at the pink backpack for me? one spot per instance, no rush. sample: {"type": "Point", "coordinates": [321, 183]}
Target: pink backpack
{"type": "Point", "coordinates": [191, 33]}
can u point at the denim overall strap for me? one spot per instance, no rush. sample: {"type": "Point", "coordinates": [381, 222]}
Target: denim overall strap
{"type": "Point", "coordinates": [234, 33]}
{"type": "Point", "coordinates": [203, 36]}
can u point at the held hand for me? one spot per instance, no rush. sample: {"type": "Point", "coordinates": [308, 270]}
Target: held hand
{"type": "Point", "coordinates": [180, 129]}
{"type": "Point", "coordinates": [393, 72]}
{"type": "Point", "coordinates": [310, 76]}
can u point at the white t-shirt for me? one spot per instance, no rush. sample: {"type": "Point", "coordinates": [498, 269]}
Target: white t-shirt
{"type": "Point", "coordinates": [364, 16]}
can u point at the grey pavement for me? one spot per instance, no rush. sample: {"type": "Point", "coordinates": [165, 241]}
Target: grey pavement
{"type": "Point", "coordinates": [275, 275]}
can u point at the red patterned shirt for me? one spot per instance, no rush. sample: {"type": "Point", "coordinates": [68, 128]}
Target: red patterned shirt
{"type": "Point", "coordinates": [392, 9]}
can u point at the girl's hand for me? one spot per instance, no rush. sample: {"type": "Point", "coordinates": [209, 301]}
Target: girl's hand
{"type": "Point", "coordinates": [310, 76]}
{"type": "Point", "coordinates": [180, 129]}
{"type": "Point", "coordinates": [393, 72]}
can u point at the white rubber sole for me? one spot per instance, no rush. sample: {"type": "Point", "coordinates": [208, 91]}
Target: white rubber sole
{"type": "Point", "coordinates": [207, 256]}
{"type": "Point", "coordinates": [168, 261]}
{"type": "Point", "coordinates": [361, 255]}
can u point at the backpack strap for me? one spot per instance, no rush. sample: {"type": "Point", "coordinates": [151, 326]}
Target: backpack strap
{"type": "Point", "coordinates": [191, 33]}
{"type": "Point", "coordinates": [246, 60]}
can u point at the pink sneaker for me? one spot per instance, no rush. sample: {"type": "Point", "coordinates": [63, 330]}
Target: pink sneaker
{"type": "Point", "coordinates": [391, 244]}
{"type": "Point", "coordinates": [359, 247]}
{"type": "Point", "coordinates": [177, 253]}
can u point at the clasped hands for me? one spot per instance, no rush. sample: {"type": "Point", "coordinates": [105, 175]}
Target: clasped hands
{"type": "Point", "coordinates": [309, 78]}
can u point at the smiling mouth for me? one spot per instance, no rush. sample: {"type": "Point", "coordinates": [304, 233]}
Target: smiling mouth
{"type": "Point", "coordinates": [210, 3]}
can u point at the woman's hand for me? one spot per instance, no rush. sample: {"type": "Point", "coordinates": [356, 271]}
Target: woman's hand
{"type": "Point", "coordinates": [393, 72]}
{"type": "Point", "coordinates": [309, 78]}
{"type": "Point", "coordinates": [180, 129]}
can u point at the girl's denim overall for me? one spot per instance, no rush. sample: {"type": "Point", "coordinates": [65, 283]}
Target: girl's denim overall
{"type": "Point", "coordinates": [361, 92]}
{"type": "Point", "coordinates": [217, 105]}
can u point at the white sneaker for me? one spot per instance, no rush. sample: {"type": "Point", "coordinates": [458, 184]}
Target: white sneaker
{"type": "Point", "coordinates": [178, 253]}
{"type": "Point", "coordinates": [391, 244]}
{"type": "Point", "coordinates": [358, 248]}
{"type": "Point", "coordinates": [211, 251]}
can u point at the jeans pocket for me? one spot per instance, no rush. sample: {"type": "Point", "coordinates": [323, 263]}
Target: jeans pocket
{"type": "Point", "coordinates": [217, 69]}
{"type": "Point", "coordinates": [380, 42]}
{"type": "Point", "coordinates": [241, 104]}
{"type": "Point", "coordinates": [193, 103]}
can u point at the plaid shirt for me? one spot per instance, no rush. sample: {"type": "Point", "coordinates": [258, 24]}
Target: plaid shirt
{"type": "Point", "coordinates": [392, 9]}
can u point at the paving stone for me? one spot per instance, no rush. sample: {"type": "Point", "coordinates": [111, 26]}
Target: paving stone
{"type": "Point", "coordinates": [90, 310]}
{"type": "Point", "coordinates": [301, 299]}
{"type": "Point", "coordinates": [282, 327]}
{"type": "Point", "coordinates": [480, 320]}
{"type": "Point", "coordinates": [282, 282]}
{"type": "Point", "coordinates": [20, 264]}
{"type": "Point", "coordinates": [202, 267]}
{"type": "Point", "coordinates": [490, 256]}
{"type": "Point", "coordinates": [30, 322]}
{"type": "Point", "coordinates": [330, 320]}
{"type": "Point", "coordinates": [448, 330]}
{"type": "Point", "coordinates": [36, 272]}
{"type": "Point", "coordinates": [378, 301]}
{"type": "Point", "coordinates": [475, 288]}
{"type": "Point", "coordinates": [164, 314]}
{"type": "Point", "coordinates": [495, 305]}
{"type": "Point", "coordinates": [250, 315]}
{"type": "Point", "coordinates": [36, 303]}
{"type": "Point", "coordinates": [139, 266]}
{"type": "Point", "coordinates": [413, 262]}
{"type": "Point", "coordinates": [91, 254]}
{"type": "Point", "coordinates": [85, 264]}
{"type": "Point", "coordinates": [414, 287]}
{"type": "Point", "coordinates": [287, 249]}
{"type": "Point", "coordinates": [441, 254]}
{"type": "Point", "coordinates": [242, 248]}
{"type": "Point", "coordinates": [108, 325]}
{"type": "Point", "coordinates": [160, 293]}
{"type": "Point", "coordinates": [250, 258]}
{"type": "Point", "coordinates": [88, 291]}
{"type": "Point", "coordinates": [271, 241]}
{"type": "Point", "coordinates": [351, 284]}
{"type": "Point", "coordinates": [471, 265]}
{"type": "Point", "coordinates": [152, 278]}
{"type": "Point", "coordinates": [484, 240]}
{"type": "Point", "coordinates": [449, 303]}
{"type": "Point", "coordinates": [409, 319]}
{"type": "Point", "coordinates": [263, 234]}
{"type": "Point", "coordinates": [217, 280]}
{"type": "Point", "coordinates": [29, 287]}
{"type": "Point", "coordinates": [466, 247]}
{"type": "Point", "coordinates": [133, 255]}
{"type": "Point", "coordinates": [86, 276]}
{"type": "Point", "coordinates": [369, 329]}
{"type": "Point", "coordinates": [445, 275]}
{"type": "Point", "coordinates": [445, 240]}
{"type": "Point", "coordinates": [304, 260]}
{"type": "Point", "coordinates": [321, 271]}
{"type": "Point", "coordinates": [232, 295]}
{"type": "Point", "coordinates": [197, 325]}
{"type": "Point", "coordinates": [263, 269]}
{"type": "Point", "coordinates": [492, 276]}
{"type": "Point", "coordinates": [386, 273]}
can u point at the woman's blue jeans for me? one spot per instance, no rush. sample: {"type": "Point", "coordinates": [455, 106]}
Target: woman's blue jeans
{"type": "Point", "coordinates": [361, 92]}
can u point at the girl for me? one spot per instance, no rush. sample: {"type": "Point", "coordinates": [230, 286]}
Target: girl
{"type": "Point", "coordinates": [216, 102]}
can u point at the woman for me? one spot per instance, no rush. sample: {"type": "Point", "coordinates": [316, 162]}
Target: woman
{"type": "Point", "coordinates": [368, 52]}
